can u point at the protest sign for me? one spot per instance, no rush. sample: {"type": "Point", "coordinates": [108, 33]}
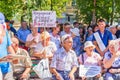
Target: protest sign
{"type": "Point", "coordinates": [89, 71]}
{"type": "Point", "coordinates": [44, 18]}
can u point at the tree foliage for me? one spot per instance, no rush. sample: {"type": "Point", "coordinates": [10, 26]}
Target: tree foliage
{"type": "Point", "coordinates": [22, 9]}
{"type": "Point", "coordinates": [108, 9]}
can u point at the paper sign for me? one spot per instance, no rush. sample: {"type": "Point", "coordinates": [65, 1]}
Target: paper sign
{"type": "Point", "coordinates": [44, 18]}
{"type": "Point", "coordinates": [89, 71]}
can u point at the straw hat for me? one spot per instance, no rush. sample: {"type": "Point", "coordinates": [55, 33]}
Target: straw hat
{"type": "Point", "coordinates": [44, 35]}
{"type": "Point", "coordinates": [88, 44]}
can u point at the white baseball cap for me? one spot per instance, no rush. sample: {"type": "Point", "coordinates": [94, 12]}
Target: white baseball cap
{"type": "Point", "coordinates": [65, 37]}
{"type": "Point", "coordinates": [75, 31]}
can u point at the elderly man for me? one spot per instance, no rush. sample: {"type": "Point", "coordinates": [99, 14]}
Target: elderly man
{"type": "Point", "coordinates": [23, 66]}
{"type": "Point", "coordinates": [64, 63]}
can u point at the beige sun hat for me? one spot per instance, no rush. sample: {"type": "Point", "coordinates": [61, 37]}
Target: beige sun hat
{"type": "Point", "coordinates": [44, 35]}
{"type": "Point", "coordinates": [88, 44]}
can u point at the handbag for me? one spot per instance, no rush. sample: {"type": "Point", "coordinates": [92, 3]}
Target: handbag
{"type": "Point", "coordinates": [42, 69]}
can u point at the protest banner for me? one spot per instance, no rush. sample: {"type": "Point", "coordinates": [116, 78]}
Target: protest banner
{"type": "Point", "coordinates": [89, 71]}
{"type": "Point", "coordinates": [44, 18]}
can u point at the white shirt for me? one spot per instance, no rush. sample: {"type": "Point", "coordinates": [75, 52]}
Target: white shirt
{"type": "Point", "coordinates": [30, 37]}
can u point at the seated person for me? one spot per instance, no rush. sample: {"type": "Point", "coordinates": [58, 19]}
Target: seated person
{"type": "Point", "coordinates": [21, 67]}
{"type": "Point", "coordinates": [90, 58]}
{"type": "Point", "coordinates": [32, 39]}
{"type": "Point", "coordinates": [45, 48]}
{"type": "Point", "coordinates": [112, 62]}
{"type": "Point", "coordinates": [64, 63]}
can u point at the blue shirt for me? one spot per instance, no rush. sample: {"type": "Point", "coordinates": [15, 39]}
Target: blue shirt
{"type": "Point", "coordinates": [89, 38]}
{"type": "Point", "coordinates": [5, 66]}
{"type": "Point", "coordinates": [56, 40]}
{"type": "Point", "coordinates": [76, 45]}
{"type": "Point", "coordinates": [106, 37]}
{"type": "Point", "coordinates": [22, 34]}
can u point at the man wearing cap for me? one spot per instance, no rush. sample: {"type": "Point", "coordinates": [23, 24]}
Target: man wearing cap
{"type": "Point", "coordinates": [5, 48]}
{"type": "Point", "coordinates": [76, 41]}
{"type": "Point", "coordinates": [55, 37]}
{"type": "Point", "coordinates": [64, 63]}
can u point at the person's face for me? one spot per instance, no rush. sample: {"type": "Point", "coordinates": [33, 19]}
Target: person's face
{"type": "Point", "coordinates": [41, 30]}
{"type": "Point", "coordinates": [67, 28]}
{"type": "Point", "coordinates": [24, 24]}
{"type": "Point", "coordinates": [89, 49]}
{"type": "Point", "coordinates": [46, 40]}
{"type": "Point", "coordinates": [112, 48]}
{"type": "Point", "coordinates": [56, 29]}
{"type": "Point", "coordinates": [101, 25]}
{"type": "Point", "coordinates": [96, 28]}
{"type": "Point", "coordinates": [113, 30]}
{"type": "Point", "coordinates": [81, 30]}
{"type": "Point", "coordinates": [34, 30]}
{"type": "Point", "coordinates": [68, 43]}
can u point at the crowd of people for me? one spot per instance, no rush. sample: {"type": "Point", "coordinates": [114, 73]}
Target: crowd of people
{"type": "Point", "coordinates": [66, 47]}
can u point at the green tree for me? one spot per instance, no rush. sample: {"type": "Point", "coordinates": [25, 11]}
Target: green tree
{"type": "Point", "coordinates": [108, 9]}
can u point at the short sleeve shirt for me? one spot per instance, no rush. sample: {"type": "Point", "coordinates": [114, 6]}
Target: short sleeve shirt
{"type": "Point", "coordinates": [22, 63]}
{"type": "Point", "coordinates": [50, 49]}
{"type": "Point", "coordinates": [5, 66]}
{"type": "Point", "coordinates": [104, 37]}
{"type": "Point", "coordinates": [90, 60]}
{"type": "Point", "coordinates": [22, 34]}
{"type": "Point", "coordinates": [63, 60]}
{"type": "Point", "coordinates": [30, 37]}
{"type": "Point", "coordinates": [116, 63]}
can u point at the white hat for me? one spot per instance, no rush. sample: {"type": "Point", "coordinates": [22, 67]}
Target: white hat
{"type": "Point", "coordinates": [88, 44]}
{"type": "Point", "coordinates": [64, 37]}
{"type": "Point", "coordinates": [75, 31]}
{"type": "Point", "coordinates": [113, 26]}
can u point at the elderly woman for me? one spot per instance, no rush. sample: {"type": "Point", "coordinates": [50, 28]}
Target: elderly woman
{"type": "Point", "coordinates": [112, 62]}
{"type": "Point", "coordinates": [32, 39]}
{"type": "Point", "coordinates": [90, 58]}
